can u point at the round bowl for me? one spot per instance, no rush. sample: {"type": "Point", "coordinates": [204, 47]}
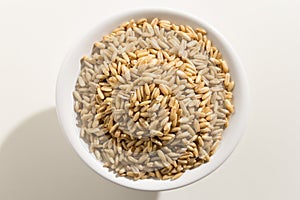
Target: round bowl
{"type": "Point", "coordinates": [70, 71]}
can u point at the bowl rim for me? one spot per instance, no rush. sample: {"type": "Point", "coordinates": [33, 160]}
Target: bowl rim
{"type": "Point", "coordinates": [179, 13]}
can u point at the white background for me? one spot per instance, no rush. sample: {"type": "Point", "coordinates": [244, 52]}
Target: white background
{"type": "Point", "coordinates": [36, 162]}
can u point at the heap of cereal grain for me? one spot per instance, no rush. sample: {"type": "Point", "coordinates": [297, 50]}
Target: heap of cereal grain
{"type": "Point", "coordinates": [153, 99]}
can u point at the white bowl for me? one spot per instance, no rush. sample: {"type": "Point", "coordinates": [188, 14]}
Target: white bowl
{"type": "Point", "coordinates": [70, 71]}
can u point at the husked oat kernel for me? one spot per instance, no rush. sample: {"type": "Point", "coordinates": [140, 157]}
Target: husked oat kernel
{"type": "Point", "coordinates": [153, 99]}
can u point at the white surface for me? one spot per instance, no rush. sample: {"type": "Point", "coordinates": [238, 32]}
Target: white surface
{"type": "Point", "coordinates": [37, 163]}
{"type": "Point", "coordinates": [71, 68]}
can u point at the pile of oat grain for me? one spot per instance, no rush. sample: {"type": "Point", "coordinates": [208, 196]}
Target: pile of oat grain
{"type": "Point", "coordinates": [153, 99]}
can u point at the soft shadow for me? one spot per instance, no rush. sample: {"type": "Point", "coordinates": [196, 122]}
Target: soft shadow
{"type": "Point", "coordinates": [36, 162]}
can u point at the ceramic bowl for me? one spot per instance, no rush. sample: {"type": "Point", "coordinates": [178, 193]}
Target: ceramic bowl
{"type": "Point", "coordinates": [70, 70]}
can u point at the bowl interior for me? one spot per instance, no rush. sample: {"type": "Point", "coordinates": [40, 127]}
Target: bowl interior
{"type": "Point", "coordinates": [70, 71]}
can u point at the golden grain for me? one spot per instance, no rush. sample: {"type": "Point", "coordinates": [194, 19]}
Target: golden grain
{"type": "Point", "coordinates": [163, 89]}
{"type": "Point", "coordinates": [230, 86]}
{"type": "Point", "coordinates": [229, 106]}
{"type": "Point", "coordinates": [224, 66]}
{"type": "Point", "coordinates": [136, 116]}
